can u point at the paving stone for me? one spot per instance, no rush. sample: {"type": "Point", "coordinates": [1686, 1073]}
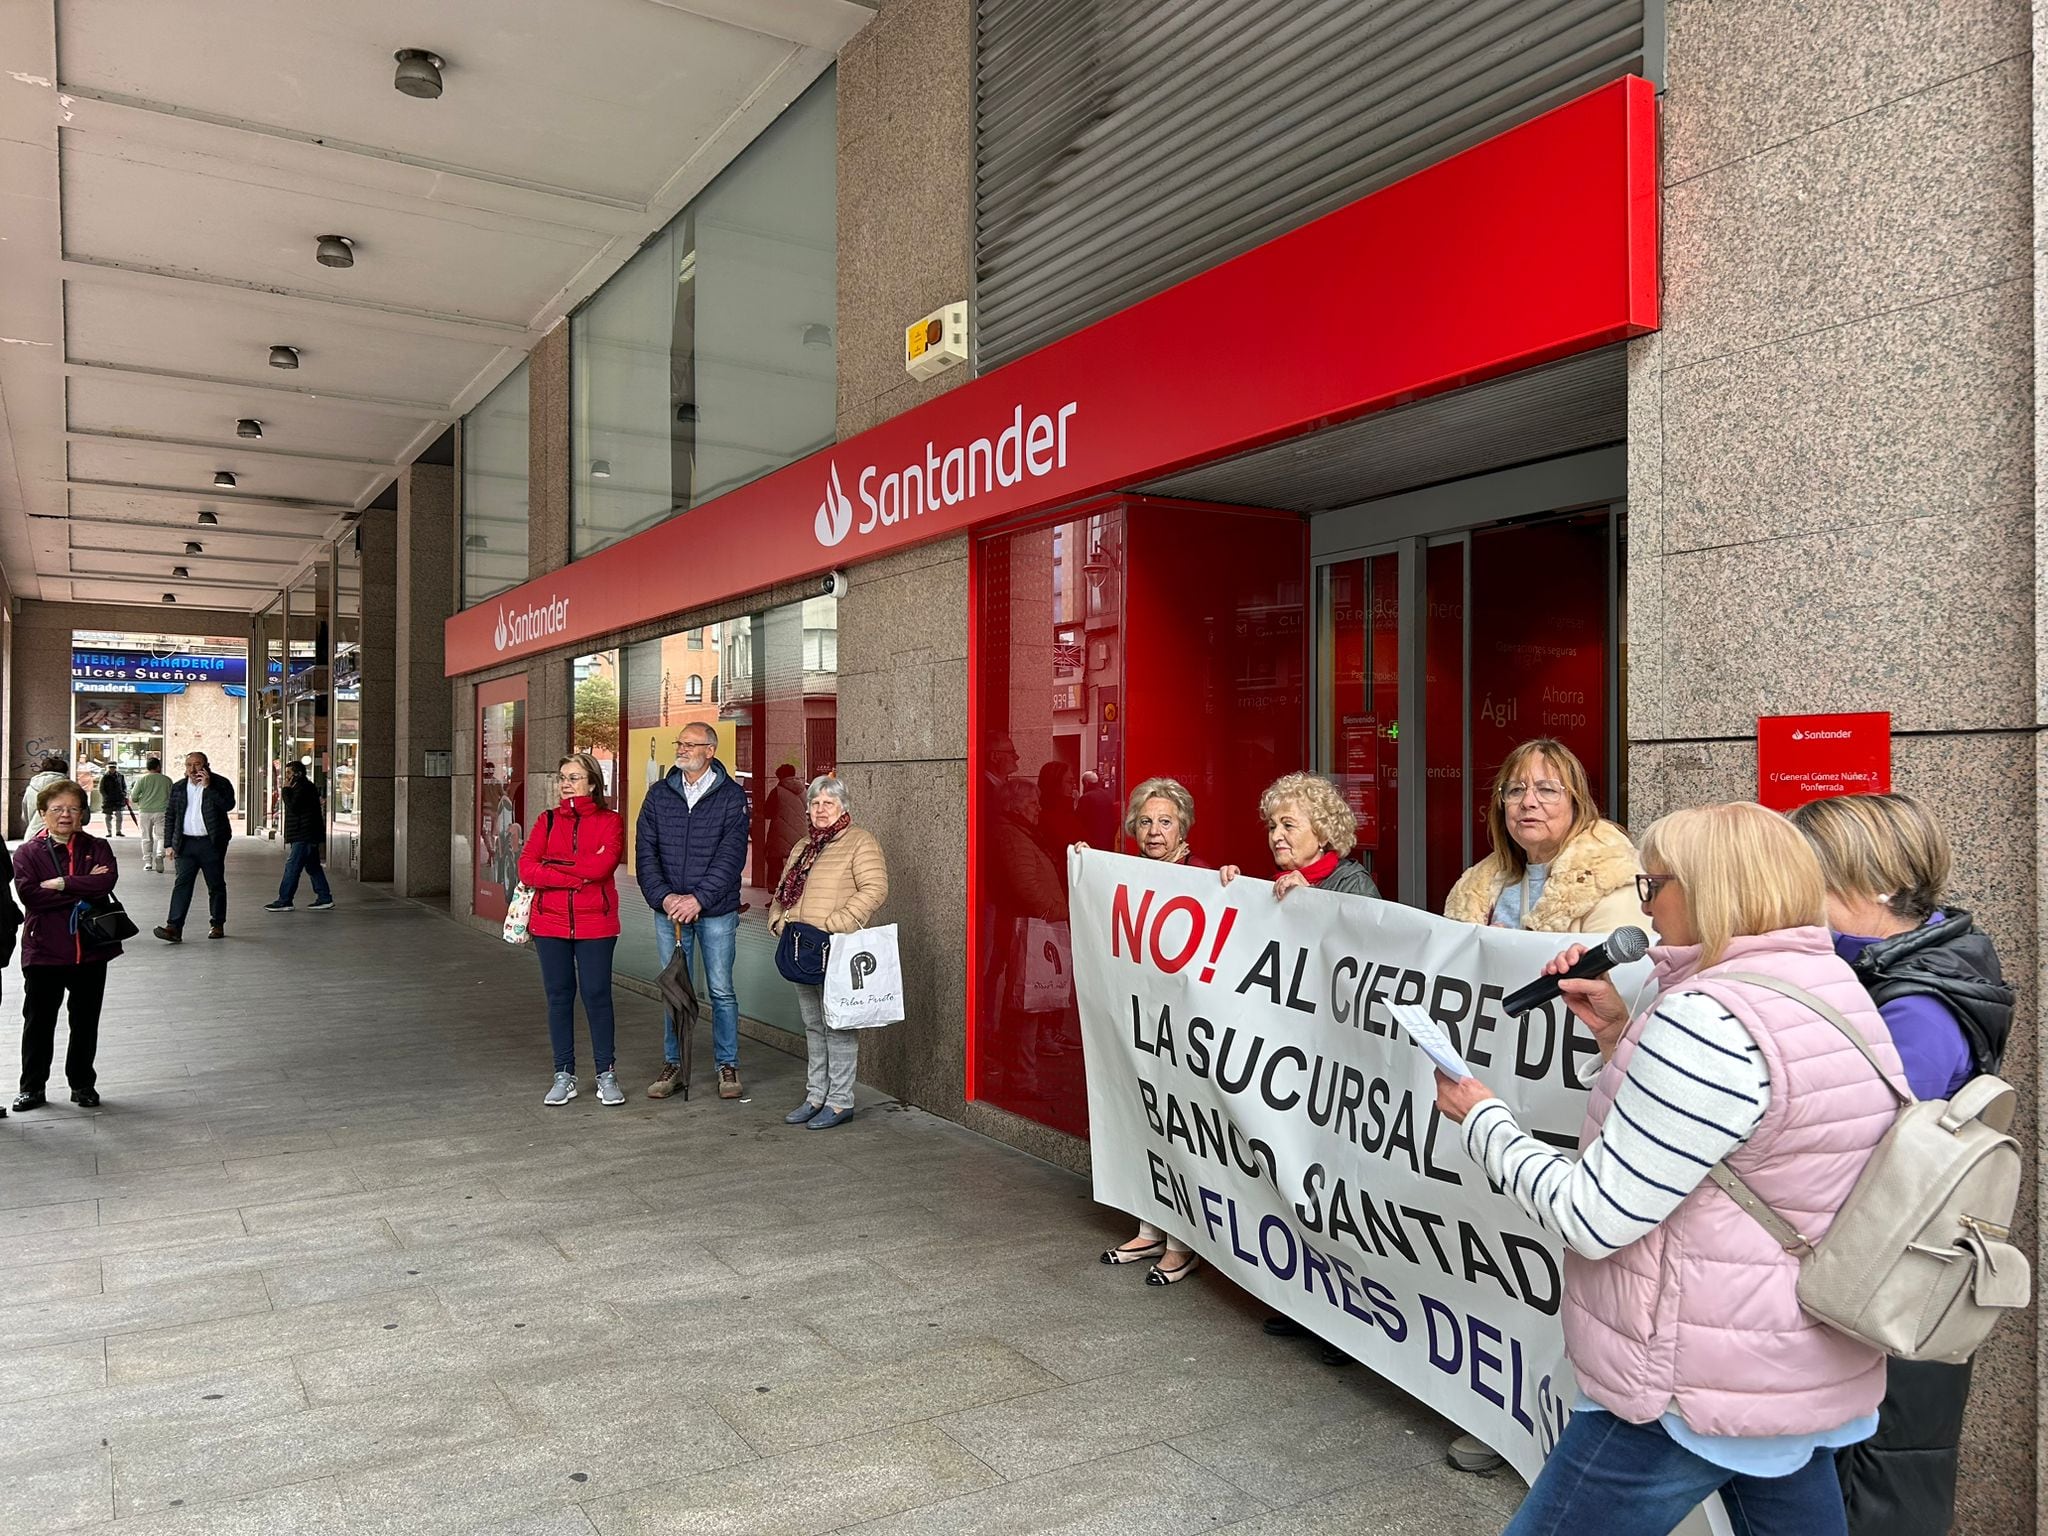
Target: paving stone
{"type": "Point", "coordinates": [1288, 1458]}
{"type": "Point", "coordinates": [96, 1316]}
{"type": "Point", "coordinates": [193, 1261]}
{"type": "Point", "coordinates": [58, 1216]}
{"type": "Point", "coordinates": [51, 1370]}
{"type": "Point", "coordinates": [53, 1282]}
{"type": "Point", "coordinates": [125, 1415]}
{"type": "Point", "coordinates": [1412, 1503]}
{"type": "Point", "coordinates": [52, 1491]}
{"type": "Point", "coordinates": [381, 1360]}
{"type": "Point", "coordinates": [84, 1242]}
{"type": "Point", "coordinates": [273, 1335]}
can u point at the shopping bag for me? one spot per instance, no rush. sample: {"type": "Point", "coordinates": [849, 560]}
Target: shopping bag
{"type": "Point", "coordinates": [518, 913]}
{"type": "Point", "coordinates": [863, 979]}
{"type": "Point", "coordinates": [1042, 967]}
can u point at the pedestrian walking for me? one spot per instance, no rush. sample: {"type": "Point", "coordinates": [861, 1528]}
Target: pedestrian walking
{"type": "Point", "coordinates": [48, 772]}
{"type": "Point", "coordinates": [571, 864]}
{"type": "Point", "coordinates": [834, 880]}
{"type": "Point", "coordinates": [690, 849]}
{"type": "Point", "coordinates": [149, 796]}
{"type": "Point", "coordinates": [113, 798]}
{"type": "Point", "coordinates": [196, 822]}
{"type": "Point", "coordinates": [57, 871]}
{"type": "Point", "coordinates": [305, 836]}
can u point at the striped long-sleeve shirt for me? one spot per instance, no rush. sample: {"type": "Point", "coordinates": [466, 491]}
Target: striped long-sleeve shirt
{"type": "Point", "coordinates": [1696, 1088]}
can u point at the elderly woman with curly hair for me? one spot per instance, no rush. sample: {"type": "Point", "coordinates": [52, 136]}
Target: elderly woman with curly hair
{"type": "Point", "coordinates": [1311, 832]}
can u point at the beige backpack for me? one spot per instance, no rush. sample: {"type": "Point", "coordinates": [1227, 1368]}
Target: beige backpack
{"type": "Point", "coordinates": [1916, 1263]}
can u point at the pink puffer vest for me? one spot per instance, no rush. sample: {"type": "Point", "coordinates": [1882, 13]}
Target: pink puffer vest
{"type": "Point", "coordinates": [1701, 1314]}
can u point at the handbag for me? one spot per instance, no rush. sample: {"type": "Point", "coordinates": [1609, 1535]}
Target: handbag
{"type": "Point", "coordinates": [518, 913]}
{"type": "Point", "coordinates": [800, 954]}
{"type": "Point", "coordinates": [102, 920]}
{"type": "Point", "coordinates": [1916, 1262]}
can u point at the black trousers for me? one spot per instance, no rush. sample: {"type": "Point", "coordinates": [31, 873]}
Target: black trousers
{"type": "Point", "coordinates": [43, 989]}
{"type": "Point", "coordinates": [197, 856]}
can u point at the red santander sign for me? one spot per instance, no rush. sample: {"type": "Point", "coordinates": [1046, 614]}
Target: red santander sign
{"type": "Point", "coordinates": [1811, 757]}
{"type": "Point", "coordinates": [1532, 246]}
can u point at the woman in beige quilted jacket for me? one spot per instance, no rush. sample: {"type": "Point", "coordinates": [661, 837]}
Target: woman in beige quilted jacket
{"type": "Point", "coordinates": [834, 879]}
{"type": "Point", "coordinates": [1556, 867]}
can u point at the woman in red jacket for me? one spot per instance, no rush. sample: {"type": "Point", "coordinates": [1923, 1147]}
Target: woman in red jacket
{"type": "Point", "coordinates": [569, 859]}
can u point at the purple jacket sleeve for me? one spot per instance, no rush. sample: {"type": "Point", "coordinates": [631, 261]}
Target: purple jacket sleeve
{"type": "Point", "coordinates": [1931, 1045]}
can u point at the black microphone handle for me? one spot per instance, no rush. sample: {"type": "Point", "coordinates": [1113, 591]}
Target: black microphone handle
{"type": "Point", "coordinates": [1594, 962]}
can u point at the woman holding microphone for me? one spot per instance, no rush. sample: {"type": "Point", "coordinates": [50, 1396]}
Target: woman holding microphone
{"type": "Point", "coordinates": [569, 861]}
{"type": "Point", "coordinates": [1698, 1372]}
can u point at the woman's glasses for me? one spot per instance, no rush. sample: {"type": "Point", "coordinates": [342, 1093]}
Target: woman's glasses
{"type": "Point", "coordinates": [1544, 790]}
{"type": "Point", "coordinates": [1647, 886]}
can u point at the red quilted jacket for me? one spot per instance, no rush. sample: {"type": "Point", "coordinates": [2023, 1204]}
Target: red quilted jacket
{"type": "Point", "coordinates": [569, 860]}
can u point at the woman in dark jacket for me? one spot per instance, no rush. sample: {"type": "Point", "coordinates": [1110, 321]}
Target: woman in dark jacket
{"type": "Point", "coordinates": [570, 860]}
{"type": "Point", "coordinates": [1312, 833]}
{"type": "Point", "coordinates": [1936, 981]}
{"type": "Point", "coordinates": [55, 871]}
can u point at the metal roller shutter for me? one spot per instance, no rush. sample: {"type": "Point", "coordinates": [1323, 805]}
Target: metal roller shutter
{"type": "Point", "coordinates": [1123, 145]}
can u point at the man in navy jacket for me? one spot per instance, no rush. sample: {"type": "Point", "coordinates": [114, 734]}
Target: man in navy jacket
{"type": "Point", "coordinates": [690, 851]}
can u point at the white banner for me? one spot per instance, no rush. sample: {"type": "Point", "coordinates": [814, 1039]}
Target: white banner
{"type": "Point", "coordinates": [1249, 1092]}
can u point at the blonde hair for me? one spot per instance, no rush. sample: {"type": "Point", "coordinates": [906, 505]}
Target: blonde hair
{"type": "Point", "coordinates": [1173, 792]}
{"type": "Point", "coordinates": [1745, 871]}
{"type": "Point", "coordinates": [1882, 848]}
{"type": "Point", "coordinates": [593, 772]}
{"type": "Point", "coordinates": [1508, 858]}
{"type": "Point", "coordinates": [1328, 816]}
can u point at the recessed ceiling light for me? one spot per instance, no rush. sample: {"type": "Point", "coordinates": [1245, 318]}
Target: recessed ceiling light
{"type": "Point", "coordinates": [419, 73]}
{"type": "Point", "coordinates": [816, 335]}
{"type": "Point", "coordinates": [335, 251]}
{"type": "Point", "coordinates": [476, 541]}
{"type": "Point", "coordinates": [222, 478]}
{"type": "Point", "coordinates": [600, 469]}
{"type": "Point", "coordinates": [181, 572]}
{"type": "Point", "coordinates": [209, 519]}
{"type": "Point", "coordinates": [248, 426]}
{"type": "Point", "coordinates": [282, 356]}
{"type": "Point", "coordinates": [194, 547]}
{"type": "Point", "coordinates": [170, 597]}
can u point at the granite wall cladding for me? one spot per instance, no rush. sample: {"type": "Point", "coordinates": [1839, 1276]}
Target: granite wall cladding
{"type": "Point", "coordinates": [1832, 500]}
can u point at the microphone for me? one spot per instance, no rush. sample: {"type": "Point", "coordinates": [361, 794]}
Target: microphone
{"type": "Point", "coordinates": [1622, 946]}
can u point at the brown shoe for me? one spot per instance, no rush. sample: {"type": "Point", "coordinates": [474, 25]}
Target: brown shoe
{"type": "Point", "coordinates": [728, 1082]}
{"type": "Point", "coordinates": [670, 1080]}
{"type": "Point", "coordinates": [216, 932]}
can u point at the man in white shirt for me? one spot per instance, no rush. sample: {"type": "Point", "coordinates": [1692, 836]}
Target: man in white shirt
{"type": "Point", "coordinates": [196, 832]}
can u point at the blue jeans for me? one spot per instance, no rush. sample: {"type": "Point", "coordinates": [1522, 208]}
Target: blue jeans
{"type": "Point", "coordinates": [306, 857]}
{"type": "Point", "coordinates": [569, 966]}
{"type": "Point", "coordinates": [1609, 1477]}
{"type": "Point", "coordinates": [717, 938]}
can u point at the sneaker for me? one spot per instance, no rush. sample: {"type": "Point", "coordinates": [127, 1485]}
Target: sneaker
{"type": "Point", "coordinates": [324, 904]}
{"type": "Point", "coordinates": [728, 1082]}
{"type": "Point", "coordinates": [277, 906]}
{"type": "Point", "coordinates": [564, 1089]}
{"type": "Point", "coordinates": [670, 1080]}
{"type": "Point", "coordinates": [1468, 1453]}
{"type": "Point", "coordinates": [608, 1089]}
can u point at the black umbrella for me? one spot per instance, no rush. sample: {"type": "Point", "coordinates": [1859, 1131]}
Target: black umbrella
{"type": "Point", "coordinates": [679, 992]}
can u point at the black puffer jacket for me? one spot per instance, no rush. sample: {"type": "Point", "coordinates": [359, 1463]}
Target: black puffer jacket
{"type": "Point", "coordinates": [1902, 1481]}
{"type": "Point", "coordinates": [303, 822]}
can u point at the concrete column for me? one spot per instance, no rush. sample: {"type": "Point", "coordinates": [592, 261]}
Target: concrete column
{"type": "Point", "coordinates": [375, 807]}
{"type": "Point", "coordinates": [547, 453]}
{"type": "Point", "coordinates": [425, 585]}
{"type": "Point", "coordinates": [1832, 493]}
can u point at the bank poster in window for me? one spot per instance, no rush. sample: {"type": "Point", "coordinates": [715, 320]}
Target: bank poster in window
{"type": "Point", "coordinates": [500, 793]}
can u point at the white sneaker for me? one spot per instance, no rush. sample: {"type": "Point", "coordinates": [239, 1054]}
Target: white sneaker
{"type": "Point", "coordinates": [608, 1090]}
{"type": "Point", "coordinates": [563, 1091]}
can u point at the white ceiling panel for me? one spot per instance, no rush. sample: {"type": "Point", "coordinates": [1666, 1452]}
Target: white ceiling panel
{"type": "Point", "coordinates": [165, 169]}
{"type": "Point", "coordinates": [104, 401]}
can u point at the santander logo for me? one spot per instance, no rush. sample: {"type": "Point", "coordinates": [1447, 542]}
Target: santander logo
{"type": "Point", "coordinates": [548, 617]}
{"type": "Point", "coordinates": [1019, 450]}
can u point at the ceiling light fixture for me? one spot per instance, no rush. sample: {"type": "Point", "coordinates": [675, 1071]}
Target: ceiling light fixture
{"type": "Point", "coordinates": [476, 541]}
{"type": "Point", "coordinates": [181, 572]}
{"type": "Point", "coordinates": [222, 478]}
{"type": "Point", "coordinates": [335, 251]}
{"type": "Point", "coordinates": [209, 519]}
{"type": "Point", "coordinates": [600, 469]}
{"type": "Point", "coordinates": [194, 547]}
{"type": "Point", "coordinates": [284, 357]}
{"type": "Point", "coordinates": [248, 426]}
{"type": "Point", "coordinates": [817, 335]}
{"type": "Point", "coordinates": [419, 73]}
{"type": "Point", "coordinates": [170, 597]}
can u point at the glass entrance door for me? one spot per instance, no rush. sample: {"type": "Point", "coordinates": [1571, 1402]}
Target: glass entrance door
{"type": "Point", "coordinates": [1359, 724]}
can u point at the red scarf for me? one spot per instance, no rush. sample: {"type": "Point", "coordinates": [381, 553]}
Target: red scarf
{"type": "Point", "coordinates": [1321, 867]}
{"type": "Point", "coordinates": [791, 891]}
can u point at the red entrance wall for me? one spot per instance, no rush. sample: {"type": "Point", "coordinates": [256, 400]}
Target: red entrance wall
{"type": "Point", "coordinates": [1132, 639]}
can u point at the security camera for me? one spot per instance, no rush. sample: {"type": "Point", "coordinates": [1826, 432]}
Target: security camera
{"type": "Point", "coordinates": [834, 584]}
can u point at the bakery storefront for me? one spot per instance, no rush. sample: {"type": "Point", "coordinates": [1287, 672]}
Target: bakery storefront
{"type": "Point", "coordinates": [1352, 501]}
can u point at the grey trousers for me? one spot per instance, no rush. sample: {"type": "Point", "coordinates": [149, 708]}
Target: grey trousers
{"type": "Point", "coordinates": [833, 1053]}
{"type": "Point", "coordinates": [152, 838]}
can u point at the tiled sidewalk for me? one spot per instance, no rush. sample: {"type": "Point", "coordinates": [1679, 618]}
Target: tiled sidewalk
{"type": "Point", "coordinates": [323, 1263]}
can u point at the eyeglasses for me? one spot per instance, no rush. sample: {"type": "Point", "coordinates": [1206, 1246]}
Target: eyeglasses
{"type": "Point", "coordinates": [696, 746]}
{"type": "Point", "coordinates": [1647, 886]}
{"type": "Point", "coordinates": [572, 778]}
{"type": "Point", "coordinates": [1546, 793]}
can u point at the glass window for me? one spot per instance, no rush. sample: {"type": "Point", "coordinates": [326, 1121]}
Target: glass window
{"type": "Point", "coordinates": [777, 722]}
{"type": "Point", "coordinates": [709, 359]}
{"type": "Point", "coordinates": [494, 491]}
{"type": "Point", "coordinates": [348, 682]}
{"type": "Point", "coordinates": [598, 714]}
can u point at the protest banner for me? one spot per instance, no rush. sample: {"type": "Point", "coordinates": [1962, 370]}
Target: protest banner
{"type": "Point", "coordinates": [1250, 1092]}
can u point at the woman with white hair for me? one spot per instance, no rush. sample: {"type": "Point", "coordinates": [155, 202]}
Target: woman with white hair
{"type": "Point", "coordinates": [833, 881]}
{"type": "Point", "coordinates": [1312, 834]}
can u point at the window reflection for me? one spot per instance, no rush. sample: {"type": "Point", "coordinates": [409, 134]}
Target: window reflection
{"type": "Point", "coordinates": [494, 491]}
